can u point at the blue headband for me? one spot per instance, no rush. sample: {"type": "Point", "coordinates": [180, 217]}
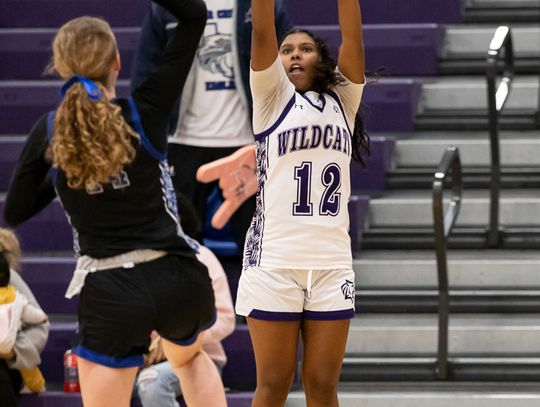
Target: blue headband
{"type": "Point", "coordinates": [90, 86]}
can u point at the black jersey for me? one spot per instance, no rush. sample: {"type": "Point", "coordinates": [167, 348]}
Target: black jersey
{"type": "Point", "coordinates": [137, 209]}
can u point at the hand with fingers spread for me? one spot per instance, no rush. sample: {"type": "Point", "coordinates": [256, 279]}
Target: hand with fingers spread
{"type": "Point", "coordinates": [237, 180]}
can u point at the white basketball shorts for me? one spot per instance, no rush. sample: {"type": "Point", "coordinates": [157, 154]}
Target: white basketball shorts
{"type": "Point", "coordinates": [293, 295]}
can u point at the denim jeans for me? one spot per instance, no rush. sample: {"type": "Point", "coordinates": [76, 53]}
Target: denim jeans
{"type": "Point", "coordinates": [157, 385]}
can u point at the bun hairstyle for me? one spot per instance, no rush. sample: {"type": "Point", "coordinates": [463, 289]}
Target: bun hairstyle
{"type": "Point", "coordinates": [92, 142]}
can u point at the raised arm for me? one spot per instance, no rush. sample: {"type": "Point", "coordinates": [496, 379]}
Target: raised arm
{"type": "Point", "coordinates": [151, 44]}
{"type": "Point", "coordinates": [264, 47]}
{"type": "Point", "coordinates": [157, 94]}
{"type": "Point", "coordinates": [351, 53]}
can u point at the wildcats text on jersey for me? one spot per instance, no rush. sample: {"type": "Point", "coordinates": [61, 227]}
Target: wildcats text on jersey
{"type": "Point", "coordinates": [308, 137]}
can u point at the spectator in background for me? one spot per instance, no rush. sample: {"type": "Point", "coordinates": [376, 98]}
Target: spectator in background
{"type": "Point", "coordinates": [24, 356]}
{"type": "Point", "coordinates": [214, 115]}
{"type": "Point", "coordinates": [157, 384]}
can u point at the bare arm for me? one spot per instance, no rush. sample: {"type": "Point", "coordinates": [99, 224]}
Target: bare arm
{"type": "Point", "coordinates": [264, 46]}
{"type": "Point", "coordinates": [351, 53]}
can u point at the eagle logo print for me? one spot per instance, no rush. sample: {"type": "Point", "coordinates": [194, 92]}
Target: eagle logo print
{"type": "Point", "coordinates": [214, 54]}
{"type": "Point", "coordinates": [347, 288]}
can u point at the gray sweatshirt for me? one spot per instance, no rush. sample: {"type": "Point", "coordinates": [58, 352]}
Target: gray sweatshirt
{"type": "Point", "coordinates": [31, 339]}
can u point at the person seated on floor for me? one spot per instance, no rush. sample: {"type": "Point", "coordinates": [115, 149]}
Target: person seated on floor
{"type": "Point", "coordinates": [24, 327]}
{"type": "Point", "coordinates": [156, 384]}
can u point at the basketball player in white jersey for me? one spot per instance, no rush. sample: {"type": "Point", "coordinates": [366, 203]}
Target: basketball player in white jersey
{"type": "Point", "coordinates": [298, 275]}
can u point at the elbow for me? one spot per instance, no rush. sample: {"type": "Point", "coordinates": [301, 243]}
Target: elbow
{"type": "Point", "coordinates": [11, 218]}
{"type": "Point", "coordinates": [12, 215]}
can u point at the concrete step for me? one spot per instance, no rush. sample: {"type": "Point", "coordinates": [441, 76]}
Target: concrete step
{"type": "Point", "coordinates": [468, 95]}
{"type": "Point", "coordinates": [470, 335]}
{"type": "Point", "coordinates": [467, 269]}
{"type": "Point", "coordinates": [424, 149]}
{"type": "Point", "coordinates": [472, 42]}
{"type": "Point", "coordinates": [401, 301]}
{"type": "Point", "coordinates": [489, 11]}
{"type": "Point", "coordinates": [414, 208]}
{"type": "Point", "coordinates": [436, 394]}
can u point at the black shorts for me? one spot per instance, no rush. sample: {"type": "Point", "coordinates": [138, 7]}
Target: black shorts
{"type": "Point", "coordinates": [119, 308]}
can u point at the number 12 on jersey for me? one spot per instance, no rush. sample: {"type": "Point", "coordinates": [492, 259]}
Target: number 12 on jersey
{"type": "Point", "coordinates": [330, 181]}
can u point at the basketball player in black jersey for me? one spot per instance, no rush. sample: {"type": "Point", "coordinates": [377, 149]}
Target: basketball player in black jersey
{"type": "Point", "coordinates": [136, 270]}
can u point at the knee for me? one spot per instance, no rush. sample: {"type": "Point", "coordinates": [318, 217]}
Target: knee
{"type": "Point", "coordinates": [320, 385]}
{"type": "Point", "coordinates": [275, 387]}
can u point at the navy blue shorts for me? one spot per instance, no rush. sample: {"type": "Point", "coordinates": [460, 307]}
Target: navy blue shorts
{"type": "Point", "coordinates": [119, 308]}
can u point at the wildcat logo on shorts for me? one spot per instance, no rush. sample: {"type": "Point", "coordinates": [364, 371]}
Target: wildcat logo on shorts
{"type": "Point", "coordinates": [348, 290]}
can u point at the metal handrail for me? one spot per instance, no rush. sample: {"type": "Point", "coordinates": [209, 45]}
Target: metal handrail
{"type": "Point", "coordinates": [443, 224]}
{"type": "Point", "coordinates": [497, 97]}
{"type": "Point", "coordinates": [538, 109]}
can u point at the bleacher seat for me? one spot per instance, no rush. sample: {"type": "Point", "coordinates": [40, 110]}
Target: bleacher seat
{"type": "Point", "coordinates": [47, 231]}
{"type": "Point", "coordinates": [26, 52]}
{"type": "Point", "coordinates": [10, 149]}
{"type": "Point", "coordinates": [54, 13]}
{"type": "Point", "coordinates": [391, 103]}
{"type": "Point", "coordinates": [404, 49]}
{"type": "Point", "coordinates": [401, 49]}
{"type": "Point", "coordinates": [48, 277]}
{"type": "Point", "coordinates": [378, 11]}
{"type": "Point", "coordinates": [379, 161]}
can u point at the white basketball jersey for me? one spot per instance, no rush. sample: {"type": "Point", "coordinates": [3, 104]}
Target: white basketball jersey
{"type": "Point", "coordinates": [303, 157]}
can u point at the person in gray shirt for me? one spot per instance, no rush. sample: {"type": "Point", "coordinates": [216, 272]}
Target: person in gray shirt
{"type": "Point", "coordinates": [31, 339]}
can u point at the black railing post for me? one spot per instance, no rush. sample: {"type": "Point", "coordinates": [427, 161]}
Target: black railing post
{"type": "Point", "coordinates": [497, 97]}
{"type": "Point", "coordinates": [538, 108]}
{"type": "Point", "coordinates": [443, 223]}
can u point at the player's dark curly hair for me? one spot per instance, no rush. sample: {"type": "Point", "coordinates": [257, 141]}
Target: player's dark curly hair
{"type": "Point", "coordinates": [326, 77]}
